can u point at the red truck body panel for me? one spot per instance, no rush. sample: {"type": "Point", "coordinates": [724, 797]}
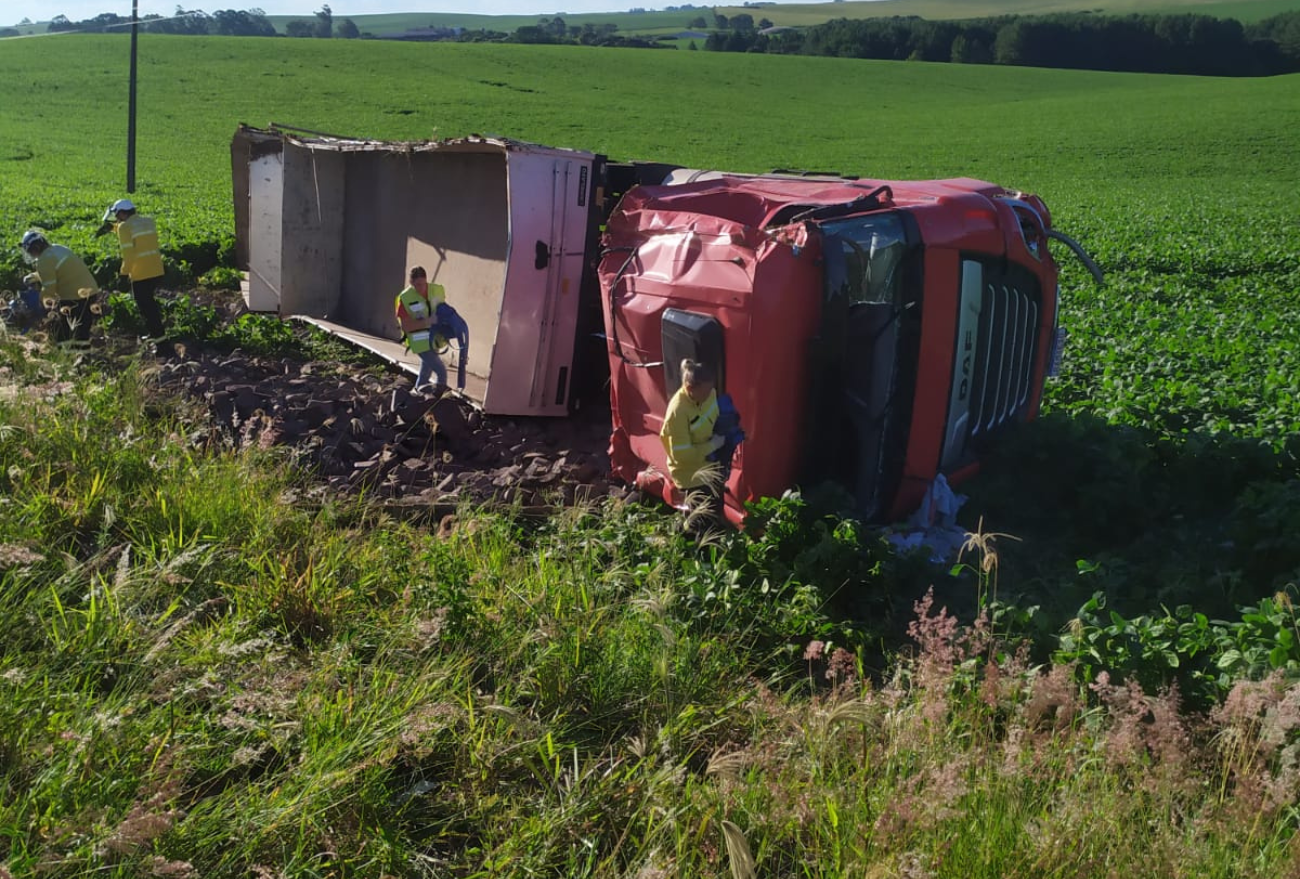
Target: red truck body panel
{"type": "Point", "coordinates": [727, 248]}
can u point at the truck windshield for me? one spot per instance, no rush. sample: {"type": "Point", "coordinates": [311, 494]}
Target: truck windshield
{"type": "Point", "coordinates": [865, 307]}
{"type": "Point", "coordinates": [862, 258]}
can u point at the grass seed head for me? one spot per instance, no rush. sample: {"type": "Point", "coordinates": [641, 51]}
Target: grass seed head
{"type": "Point", "coordinates": [738, 853]}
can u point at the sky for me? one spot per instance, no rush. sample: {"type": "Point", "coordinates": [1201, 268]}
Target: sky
{"type": "Point", "coordinates": [79, 10]}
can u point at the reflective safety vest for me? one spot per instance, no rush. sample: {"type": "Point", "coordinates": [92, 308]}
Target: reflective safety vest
{"type": "Point", "coordinates": [141, 258]}
{"type": "Point", "coordinates": [63, 275]}
{"type": "Point", "coordinates": [415, 316]}
{"type": "Point", "coordinates": [687, 430]}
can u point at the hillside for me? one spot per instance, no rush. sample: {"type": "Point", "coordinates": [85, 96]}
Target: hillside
{"type": "Point", "coordinates": [656, 22]}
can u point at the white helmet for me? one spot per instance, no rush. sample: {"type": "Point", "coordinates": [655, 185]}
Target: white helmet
{"type": "Point", "coordinates": [122, 204]}
{"type": "Point", "coordinates": [32, 238]}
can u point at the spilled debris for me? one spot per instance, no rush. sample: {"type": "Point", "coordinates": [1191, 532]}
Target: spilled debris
{"type": "Point", "coordinates": [362, 432]}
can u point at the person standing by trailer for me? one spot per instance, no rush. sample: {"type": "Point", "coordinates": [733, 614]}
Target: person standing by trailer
{"type": "Point", "coordinates": [689, 440]}
{"type": "Point", "coordinates": [142, 262]}
{"type": "Point", "coordinates": [66, 285]}
{"type": "Point", "coordinates": [415, 307]}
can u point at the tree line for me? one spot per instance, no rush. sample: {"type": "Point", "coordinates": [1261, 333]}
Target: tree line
{"type": "Point", "coordinates": [222, 23]}
{"type": "Point", "coordinates": [1182, 44]}
{"type": "Point", "coordinates": [557, 31]}
{"type": "Point", "coordinates": [254, 23]}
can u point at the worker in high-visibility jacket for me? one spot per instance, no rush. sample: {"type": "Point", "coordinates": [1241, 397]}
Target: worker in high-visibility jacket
{"type": "Point", "coordinates": [415, 307]}
{"type": "Point", "coordinates": [142, 262]}
{"type": "Point", "coordinates": [66, 285]}
{"type": "Point", "coordinates": [688, 439]}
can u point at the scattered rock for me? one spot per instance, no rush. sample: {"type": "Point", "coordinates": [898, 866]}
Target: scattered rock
{"type": "Point", "coordinates": [360, 431]}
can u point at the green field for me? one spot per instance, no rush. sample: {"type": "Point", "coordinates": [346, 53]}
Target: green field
{"type": "Point", "coordinates": [1171, 180]}
{"type": "Point", "coordinates": [628, 23]}
{"type": "Point", "coordinates": [209, 670]}
{"type": "Point", "coordinates": [1181, 186]}
{"type": "Point", "coordinates": [658, 22]}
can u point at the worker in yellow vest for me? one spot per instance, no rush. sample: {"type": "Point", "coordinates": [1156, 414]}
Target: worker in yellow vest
{"type": "Point", "coordinates": [689, 441]}
{"type": "Point", "coordinates": [415, 307]}
{"type": "Point", "coordinates": [66, 285]}
{"type": "Point", "coordinates": [142, 260]}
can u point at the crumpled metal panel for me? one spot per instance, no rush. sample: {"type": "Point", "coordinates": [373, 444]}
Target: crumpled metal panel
{"type": "Point", "coordinates": [763, 287]}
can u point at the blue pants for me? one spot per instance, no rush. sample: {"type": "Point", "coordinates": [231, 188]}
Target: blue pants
{"type": "Point", "coordinates": [450, 325]}
{"type": "Point", "coordinates": [430, 362]}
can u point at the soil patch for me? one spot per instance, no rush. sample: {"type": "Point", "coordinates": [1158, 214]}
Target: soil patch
{"type": "Point", "coordinates": [363, 428]}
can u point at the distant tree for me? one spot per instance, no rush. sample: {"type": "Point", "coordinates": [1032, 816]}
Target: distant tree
{"type": "Point", "coordinates": [531, 33]}
{"type": "Point", "coordinates": [932, 40]}
{"type": "Point", "coordinates": [765, 23]}
{"type": "Point", "coordinates": [1012, 45]}
{"type": "Point", "coordinates": [742, 22]}
{"type": "Point", "coordinates": [240, 23]}
{"type": "Point", "coordinates": [741, 40]}
{"type": "Point", "coordinates": [10, 32]}
{"type": "Point", "coordinates": [188, 22]}
{"type": "Point", "coordinates": [1283, 29]}
{"type": "Point", "coordinates": [698, 23]}
{"type": "Point", "coordinates": [59, 23]}
{"type": "Point", "coordinates": [968, 49]}
{"type": "Point", "coordinates": [299, 27]}
{"type": "Point", "coordinates": [25, 21]}
{"type": "Point", "coordinates": [691, 45]}
{"type": "Point", "coordinates": [720, 21]}
{"type": "Point", "coordinates": [324, 27]}
{"type": "Point", "coordinates": [348, 29]}
{"type": "Point", "coordinates": [1181, 43]}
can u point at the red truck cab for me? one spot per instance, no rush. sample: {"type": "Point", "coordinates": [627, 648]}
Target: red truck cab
{"type": "Point", "coordinates": [872, 333]}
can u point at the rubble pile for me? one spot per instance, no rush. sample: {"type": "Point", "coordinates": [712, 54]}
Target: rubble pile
{"type": "Point", "coordinates": [365, 432]}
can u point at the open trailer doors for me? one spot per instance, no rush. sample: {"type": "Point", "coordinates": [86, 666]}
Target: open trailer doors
{"type": "Point", "coordinates": [328, 227]}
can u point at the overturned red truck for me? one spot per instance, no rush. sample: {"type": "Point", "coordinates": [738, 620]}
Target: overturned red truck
{"type": "Point", "coordinates": [872, 333]}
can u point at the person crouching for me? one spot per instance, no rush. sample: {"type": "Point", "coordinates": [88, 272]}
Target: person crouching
{"type": "Point", "coordinates": [66, 286]}
{"type": "Point", "coordinates": [689, 440]}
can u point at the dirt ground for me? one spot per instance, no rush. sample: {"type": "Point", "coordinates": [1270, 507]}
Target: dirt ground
{"type": "Point", "coordinates": [362, 428]}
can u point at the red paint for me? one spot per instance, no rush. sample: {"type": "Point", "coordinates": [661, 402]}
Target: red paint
{"type": "Point", "coordinates": [707, 247]}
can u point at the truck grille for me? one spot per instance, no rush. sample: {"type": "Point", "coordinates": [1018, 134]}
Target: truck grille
{"type": "Point", "coordinates": [1004, 357]}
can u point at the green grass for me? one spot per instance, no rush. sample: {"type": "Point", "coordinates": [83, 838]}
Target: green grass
{"type": "Point", "coordinates": [1179, 185]}
{"type": "Point", "coordinates": [203, 675]}
{"type": "Point", "coordinates": [202, 678]}
{"type": "Point", "coordinates": [658, 22]}
{"type": "Point", "coordinates": [1073, 131]}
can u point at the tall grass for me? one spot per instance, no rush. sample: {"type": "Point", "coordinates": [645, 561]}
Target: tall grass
{"type": "Point", "coordinates": [203, 676]}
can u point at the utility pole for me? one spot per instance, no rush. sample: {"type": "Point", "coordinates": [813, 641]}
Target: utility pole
{"type": "Point", "coordinates": [130, 124]}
